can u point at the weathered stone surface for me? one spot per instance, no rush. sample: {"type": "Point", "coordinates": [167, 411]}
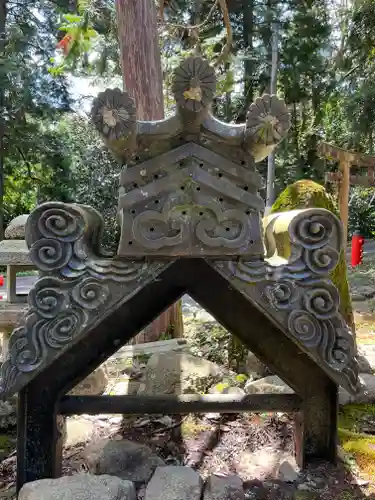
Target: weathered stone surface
{"type": "Point", "coordinates": [224, 488]}
{"type": "Point", "coordinates": [10, 315]}
{"type": "Point", "coordinates": [124, 387]}
{"type": "Point", "coordinates": [256, 368]}
{"type": "Point", "coordinates": [288, 471]}
{"type": "Point", "coordinates": [13, 252]}
{"type": "Point", "coordinates": [261, 463]}
{"type": "Point", "coordinates": [125, 459]}
{"type": "Point", "coordinates": [366, 358]}
{"type": "Point", "coordinates": [175, 373]}
{"type": "Point", "coordinates": [174, 483]}
{"type": "Point", "coordinates": [367, 395]}
{"type": "Point", "coordinates": [78, 430]}
{"type": "Point", "coordinates": [93, 385]}
{"type": "Point", "coordinates": [364, 364]}
{"type": "Point", "coordinates": [79, 487]}
{"type": "Point", "coordinates": [16, 228]}
{"type": "Point", "coordinates": [272, 384]}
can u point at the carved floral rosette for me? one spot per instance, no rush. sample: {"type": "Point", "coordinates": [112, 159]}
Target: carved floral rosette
{"type": "Point", "coordinates": [299, 294]}
{"type": "Point", "coordinates": [77, 284]}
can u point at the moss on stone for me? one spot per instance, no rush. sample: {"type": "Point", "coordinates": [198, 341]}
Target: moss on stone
{"type": "Point", "coordinates": [309, 194]}
{"type": "Point", "coordinates": [361, 447]}
{"type": "Point", "coordinates": [354, 442]}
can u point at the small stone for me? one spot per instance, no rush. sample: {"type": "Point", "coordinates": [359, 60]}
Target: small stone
{"type": "Point", "coordinates": [224, 488]}
{"type": "Point", "coordinates": [93, 385]}
{"type": "Point", "coordinates": [177, 373]}
{"type": "Point", "coordinates": [79, 487]}
{"type": "Point", "coordinates": [16, 228]}
{"type": "Point", "coordinates": [318, 482]}
{"type": "Point", "coordinates": [303, 487]}
{"type": "Point", "coordinates": [125, 459]}
{"type": "Point", "coordinates": [288, 472]}
{"type": "Point", "coordinates": [365, 396]}
{"type": "Point", "coordinates": [268, 385]}
{"type": "Point", "coordinates": [115, 420]}
{"type": "Point", "coordinates": [78, 430]}
{"type": "Point", "coordinates": [174, 483]}
{"type": "Point", "coordinates": [256, 368]}
{"type": "Point", "coordinates": [125, 387]}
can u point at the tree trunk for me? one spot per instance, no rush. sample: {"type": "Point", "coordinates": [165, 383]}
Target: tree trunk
{"type": "Point", "coordinates": [3, 12]}
{"type": "Point", "coordinates": [140, 56]}
{"type": "Point", "coordinates": [248, 29]}
{"type": "Point", "coordinates": [142, 77]}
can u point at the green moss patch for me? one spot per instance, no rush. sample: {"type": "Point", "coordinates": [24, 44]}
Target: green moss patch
{"type": "Point", "coordinates": [359, 445]}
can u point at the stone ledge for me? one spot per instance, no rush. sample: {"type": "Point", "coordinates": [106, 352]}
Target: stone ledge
{"type": "Point", "coordinates": [14, 252]}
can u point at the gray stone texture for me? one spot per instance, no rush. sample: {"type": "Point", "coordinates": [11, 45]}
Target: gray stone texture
{"type": "Point", "coordinates": [16, 228]}
{"type": "Point", "coordinates": [125, 459]}
{"type": "Point", "coordinates": [79, 487]}
{"type": "Point", "coordinates": [176, 373]}
{"type": "Point", "coordinates": [174, 483]}
{"type": "Point", "coordinates": [229, 487]}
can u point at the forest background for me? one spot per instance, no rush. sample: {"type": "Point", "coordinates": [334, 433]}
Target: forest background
{"type": "Point", "coordinates": [50, 151]}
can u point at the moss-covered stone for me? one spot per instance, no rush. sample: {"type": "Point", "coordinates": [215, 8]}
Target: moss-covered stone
{"type": "Point", "coordinates": [357, 444]}
{"type": "Point", "coordinates": [309, 194]}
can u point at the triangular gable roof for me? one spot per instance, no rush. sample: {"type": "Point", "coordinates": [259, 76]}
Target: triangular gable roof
{"type": "Point", "coordinates": [78, 290]}
{"type": "Point", "coordinates": [34, 331]}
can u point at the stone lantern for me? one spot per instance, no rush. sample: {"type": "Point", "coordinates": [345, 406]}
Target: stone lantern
{"type": "Point", "coordinates": [14, 254]}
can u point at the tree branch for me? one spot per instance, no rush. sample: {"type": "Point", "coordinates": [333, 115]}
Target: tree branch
{"type": "Point", "coordinates": [227, 47]}
{"type": "Point", "coordinates": [28, 166]}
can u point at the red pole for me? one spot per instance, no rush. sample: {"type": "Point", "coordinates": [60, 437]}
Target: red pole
{"type": "Point", "coordinates": [357, 248]}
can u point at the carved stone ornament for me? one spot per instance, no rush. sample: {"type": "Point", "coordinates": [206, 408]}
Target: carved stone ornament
{"type": "Point", "coordinates": [298, 293]}
{"type": "Point", "coordinates": [189, 185]}
{"type": "Point", "coordinates": [188, 189]}
{"type": "Point", "coordinates": [77, 286]}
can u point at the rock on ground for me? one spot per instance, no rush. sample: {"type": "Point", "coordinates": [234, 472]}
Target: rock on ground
{"type": "Point", "coordinates": [174, 483]}
{"type": "Point", "coordinates": [124, 387]}
{"type": "Point", "coordinates": [78, 430]}
{"type": "Point", "coordinates": [268, 385]}
{"type": "Point", "coordinates": [367, 394]}
{"type": "Point", "coordinates": [176, 373]}
{"type": "Point", "coordinates": [126, 459]}
{"type": "Point", "coordinates": [93, 385]}
{"type": "Point", "coordinates": [16, 228]}
{"type": "Point", "coordinates": [256, 368]}
{"type": "Point", "coordinates": [224, 488]}
{"type": "Point", "coordinates": [79, 487]}
{"type": "Point", "coordinates": [288, 471]}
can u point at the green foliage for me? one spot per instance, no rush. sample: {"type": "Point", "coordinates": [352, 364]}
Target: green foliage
{"type": "Point", "coordinates": [95, 173]}
{"type": "Point", "coordinates": [209, 340]}
{"type": "Point", "coordinates": [35, 163]}
{"type": "Point", "coordinates": [362, 212]}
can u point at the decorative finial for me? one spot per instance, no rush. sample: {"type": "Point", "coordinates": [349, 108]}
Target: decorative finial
{"type": "Point", "coordinates": [267, 123]}
{"type": "Point", "coordinates": [194, 84]}
{"type": "Point", "coordinates": [114, 116]}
